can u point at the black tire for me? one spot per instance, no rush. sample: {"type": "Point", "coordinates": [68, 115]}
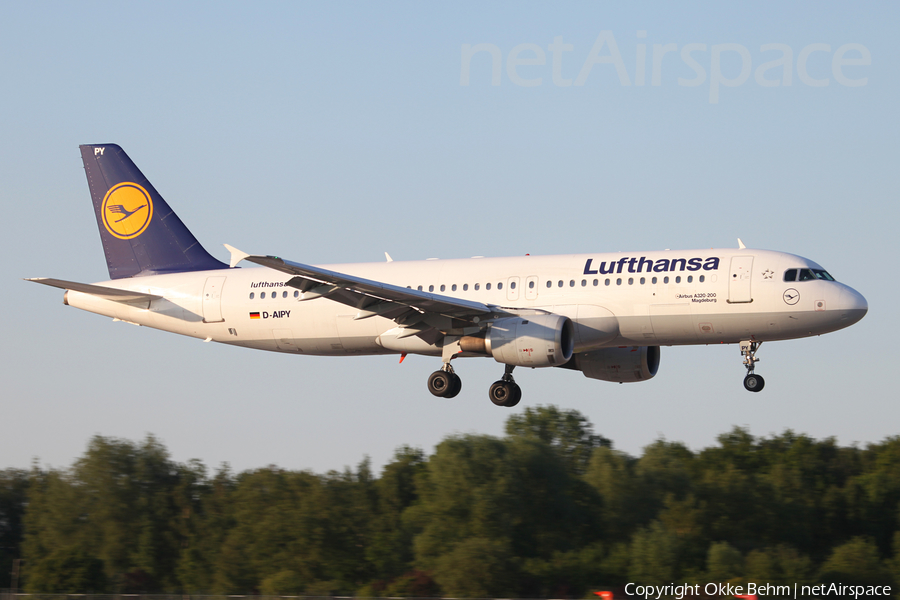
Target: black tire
{"type": "Point", "coordinates": [440, 383]}
{"type": "Point", "coordinates": [455, 386]}
{"type": "Point", "coordinates": [754, 383]}
{"type": "Point", "coordinates": [500, 393]}
{"type": "Point", "coordinates": [515, 396]}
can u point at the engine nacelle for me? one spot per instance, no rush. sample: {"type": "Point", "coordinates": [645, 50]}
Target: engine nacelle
{"type": "Point", "coordinates": [622, 365]}
{"type": "Point", "coordinates": [533, 341]}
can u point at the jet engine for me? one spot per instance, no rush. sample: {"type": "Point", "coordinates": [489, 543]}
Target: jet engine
{"type": "Point", "coordinates": [533, 341]}
{"type": "Point", "coordinates": [622, 365]}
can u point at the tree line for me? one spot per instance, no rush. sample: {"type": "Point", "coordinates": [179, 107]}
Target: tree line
{"type": "Point", "coordinates": [549, 510]}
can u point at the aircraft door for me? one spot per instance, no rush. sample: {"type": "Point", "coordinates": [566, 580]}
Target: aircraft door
{"type": "Point", "coordinates": [531, 287]}
{"type": "Point", "coordinates": [212, 299]}
{"type": "Point", "coordinates": [739, 279]}
{"type": "Point", "coordinates": [512, 288]}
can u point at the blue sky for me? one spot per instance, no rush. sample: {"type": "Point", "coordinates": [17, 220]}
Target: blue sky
{"type": "Point", "coordinates": [328, 133]}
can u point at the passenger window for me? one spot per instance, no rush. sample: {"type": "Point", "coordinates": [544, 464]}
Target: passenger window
{"type": "Point", "coordinates": [702, 278]}
{"type": "Point", "coordinates": [678, 279]}
{"type": "Point", "coordinates": [465, 287]}
{"type": "Point", "coordinates": [806, 275]}
{"type": "Point", "coordinates": [530, 285]}
{"type": "Point", "coordinates": [606, 282]}
{"type": "Point", "coordinates": [284, 294]}
{"type": "Point", "coordinates": [443, 287]}
{"type": "Point", "coordinates": [262, 296]}
{"type": "Point", "coordinates": [618, 281]}
{"type": "Point", "coordinates": [296, 294]}
{"type": "Point", "coordinates": [251, 295]}
{"type": "Point", "coordinates": [430, 288]}
{"type": "Point", "coordinates": [512, 284]}
{"type": "Point", "coordinates": [560, 283]}
{"type": "Point", "coordinates": [419, 288]}
{"type": "Point", "coordinates": [690, 278]}
{"type": "Point", "coordinates": [584, 283]}
{"type": "Point", "coordinates": [666, 279]}
{"type": "Point", "coordinates": [453, 288]}
{"type": "Point", "coordinates": [500, 286]}
{"type": "Point", "coordinates": [631, 281]}
{"type": "Point", "coordinates": [790, 275]}
{"type": "Point", "coordinates": [477, 286]}
{"type": "Point", "coordinates": [571, 283]}
{"type": "Point", "coordinates": [596, 282]}
{"type": "Point", "coordinates": [487, 286]}
{"type": "Point", "coordinates": [653, 281]}
{"type": "Point", "coordinates": [643, 281]}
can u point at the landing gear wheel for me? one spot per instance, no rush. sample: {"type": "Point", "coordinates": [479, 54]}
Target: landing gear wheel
{"type": "Point", "coordinates": [440, 383]}
{"type": "Point", "coordinates": [500, 393]}
{"type": "Point", "coordinates": [455, 386]}
{"type": "Point", "coordinates": [516, 396]}
{"type": "Point", "coordinates": [754, 383]}
{"type": "Point", "coordinates": [505, 393]}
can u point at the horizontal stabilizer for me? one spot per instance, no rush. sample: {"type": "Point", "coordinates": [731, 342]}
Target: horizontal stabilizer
{"type": "Point", "coordinates": [108, 293]}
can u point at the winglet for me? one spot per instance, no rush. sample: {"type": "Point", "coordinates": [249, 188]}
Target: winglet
{"type": "Point", "coordinates": [236, 255]}
{"type": "Point", "coordinates": [741, 244]}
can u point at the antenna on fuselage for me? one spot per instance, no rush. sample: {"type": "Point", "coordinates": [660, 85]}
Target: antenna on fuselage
{"type": "Point", "coordinates": [741, 244]}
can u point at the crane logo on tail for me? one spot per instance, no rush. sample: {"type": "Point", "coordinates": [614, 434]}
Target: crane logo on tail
{"type": "Point", "coordinates": [127, 210]}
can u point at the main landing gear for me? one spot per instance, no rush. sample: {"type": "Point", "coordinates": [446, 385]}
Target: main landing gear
{"type": "Point", "coordinates": [444, 383]}
{"type": "Point", "coordinates": [506, 392]}
{"type": "Point", "coordinates": [752, 382]}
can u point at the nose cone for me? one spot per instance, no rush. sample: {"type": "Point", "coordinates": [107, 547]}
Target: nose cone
{"type": "Point", "coordinates": [853, 306]}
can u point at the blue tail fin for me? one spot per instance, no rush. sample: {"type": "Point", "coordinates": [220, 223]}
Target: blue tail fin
{"type": "Point", "coordinates": [141, 235]}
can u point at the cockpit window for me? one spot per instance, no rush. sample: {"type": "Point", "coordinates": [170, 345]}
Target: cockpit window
{"type": "Point", "coordinates": [807, 275]}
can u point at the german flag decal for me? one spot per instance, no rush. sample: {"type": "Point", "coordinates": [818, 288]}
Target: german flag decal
{"type": "Point", "coordinates": [254, 315]}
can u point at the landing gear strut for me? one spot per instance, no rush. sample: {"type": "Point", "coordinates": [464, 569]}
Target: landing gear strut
{"type": "Point", "coordinates": [752, 382]}
{"type": "Point", "coordinates": [506, 392]}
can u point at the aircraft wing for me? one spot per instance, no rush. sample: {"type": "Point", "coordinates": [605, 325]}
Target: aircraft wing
{"type": "Point", "coordinates": [420, 313]}
{"type": "Point", "coordinates": [139, 299]}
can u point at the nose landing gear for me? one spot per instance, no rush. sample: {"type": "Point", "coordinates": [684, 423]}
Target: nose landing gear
{"type": "Point", "coordinates": [752, 382]}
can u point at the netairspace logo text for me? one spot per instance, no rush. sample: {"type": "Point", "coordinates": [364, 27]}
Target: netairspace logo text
{"type": "Point", "coordinates": [683, 591]}
{"type": "Point", "coordinates": [526, 64]}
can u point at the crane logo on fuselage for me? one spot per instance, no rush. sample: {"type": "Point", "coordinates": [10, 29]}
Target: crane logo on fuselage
{"type": "Point", "coordinates": [663, 265]}
{"type": "Point", "coordinates": [127, 210]}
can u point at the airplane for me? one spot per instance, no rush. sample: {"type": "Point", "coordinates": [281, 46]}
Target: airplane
{"type": "Point", "coordinates": [605, 315]}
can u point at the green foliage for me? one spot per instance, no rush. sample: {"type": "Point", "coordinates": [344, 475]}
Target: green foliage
{"type": "Point", "coordinates": [67, 570]}
{"type": "Point", "coordinates": [568, 432]}
{"type": "Point", "coordinates": [549, 510]}
{"type": "Point", "coordinates": [724, 562]}
{"type": "Point", "coordinates": [13, 494]}
{"type": "Point", "coordinates": [856, 562]}
{"type": "Point", "coordinates": [476, 567]}
{"type": "Point", "coordinates": [779, 565]}
{"type": "Point", "coordinates": [654, 556]}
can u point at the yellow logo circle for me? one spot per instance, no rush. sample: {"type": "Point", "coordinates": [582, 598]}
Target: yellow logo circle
{"type": "Point", "coordinates": [127, 210]}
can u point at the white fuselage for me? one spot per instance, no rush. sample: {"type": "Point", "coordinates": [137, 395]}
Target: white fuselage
{"type": "Point", "coordinates": [633, 298]}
